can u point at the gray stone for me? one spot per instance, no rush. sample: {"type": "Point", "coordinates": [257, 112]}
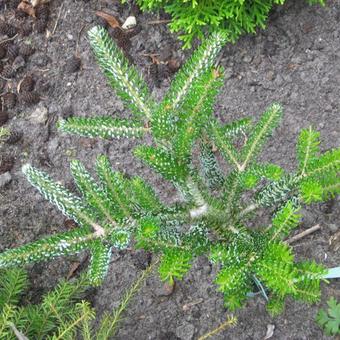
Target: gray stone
{"type": "Point", "coordinates": [185, 331]}
{"type": "Point", "coordinates": [333, 227]}
{"type": "Point", "coordinates": [18, 63]}
{"type": "Point", "coordinates": [53, 145]}
{"type": "Point", "coordinates": [5, 179]}
{"type": "Point", "coordinates": [247, 59]}
{"type": "Point", "coordinates": [40, 59]}
{"type": "Point", "coordinates": [39, 115]}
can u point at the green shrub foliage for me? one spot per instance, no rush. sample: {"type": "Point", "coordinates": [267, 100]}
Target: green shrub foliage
{"type": "Point", "coordinates": [213, 216]}
{"type": "Point", "coordinates": [194, 17]}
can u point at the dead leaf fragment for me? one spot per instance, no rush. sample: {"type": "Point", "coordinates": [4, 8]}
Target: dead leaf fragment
{"type": "Point", "coordinates": [35, 3]}
{"type": "Point", "coordinates": [270, 331]}
{"type": "Point", "coordinates": [74, 267]}
{"type": "Point", "coordinates": [188, 305]}
{"type": "Point", "coordinates": [27, 8]}
{"type": "Point", "coordinates": [334, 241]}
{"type": "Point", "coordinates": [168, 289]}
{"type": "Point", "coordinates": [173, 65]}
{"type": "Point", "coordinates": [110, 19]}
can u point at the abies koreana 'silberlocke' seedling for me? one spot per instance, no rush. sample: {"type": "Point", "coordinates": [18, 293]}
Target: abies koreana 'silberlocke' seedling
{"type": "Point", "coordinates": [214, 215]}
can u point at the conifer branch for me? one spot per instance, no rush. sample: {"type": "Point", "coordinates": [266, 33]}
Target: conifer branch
{"type": "Point", "coordinates": [100, 259]}
{"type": "Point", "coordinates": [231, 191]}
{"type": "Point", "coordinates": [330, 185]}
{"type": "Point", "coordinates": [284, 221]}
{"type": "Point", "coordinates": [211, 171]}
{"type": "Point", "coordinates": [329, 162]}
{"type": "Point", "coordinates": [84, 313]}
{"type": "Point", "coordinates": [7, 313]}
{"type": "Point", "coordinates": [225, 145]}
{"type": "Point", "coordinates": [144, 196]}
{"type": "Point", "coordinates": [202, 60]}
{"type": "Point", "coordinates": [104, 127]}
{"type": "Point", "coordinates": [68, 243]}
{"type": "Point", "coordinates": [235, 128]}
{"type": "Point", "coordinates": [196, 110]}
{"type": "Point", "coordinates": [174, 264]}
{"type": "Point", "coordinates": [13, 282]}
{"type": "Point", "coordinates": [250, 177]}
{"type": "Point", "coordinates": [163, 162]}
{"type": "Point", "coordinates": [123, 77]}
{"type": "Point", "coordinates": [69, 204]}
{"type": "Point", "coordinates": [307, 147]}
{"type": "Point", "coordinates": [114, 186]}
{"type": "Point", "coordinates": [263, 129]}
{"type": "Point", "coordinates": [93, 194]}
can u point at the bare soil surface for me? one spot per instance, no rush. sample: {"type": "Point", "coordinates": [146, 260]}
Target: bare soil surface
{"type": "Point", "coordinates": [295, 61]}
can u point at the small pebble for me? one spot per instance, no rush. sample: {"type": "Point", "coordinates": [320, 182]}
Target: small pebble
{"type": "Point", "coordinates": [18, 63]}
{"type": "Point", "coordinates": [39, 115]}
{"type": "Point", "coordinates": [185, 331]}
{"type": "Point", "coordinates": [5, 179]}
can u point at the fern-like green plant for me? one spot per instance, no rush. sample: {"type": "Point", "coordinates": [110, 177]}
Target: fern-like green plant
{"type": "Point", "coordinates": [55, 315]}
{"type": "Point", "coordinates": [213, 215]}
{"type": "Point", "coordinates": [61, 314]}
{"type": "Point", "coordinates": [192, 18]}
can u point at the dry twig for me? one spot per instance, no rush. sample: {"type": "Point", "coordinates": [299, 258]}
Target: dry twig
{"type": "Point", "coordinates": [158, 22]}
{"type": "Point", "coordinates": [303, 234]}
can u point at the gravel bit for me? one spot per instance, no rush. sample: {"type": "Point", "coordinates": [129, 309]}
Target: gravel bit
{"type": "Point", "coordinates": [11, 31]}
{"type": "Point", "coordinates": [73, 64]}
{"type": "Point", "coordinates": [6, 164]}
{"type": "Point", "coordinates": [131, 33]}
{"type": "Point", "coordinates": [67, 112]}
{"type": "Point", "coordinates": [42, 12]}
{"type": "Point", "coordinates": [18, 63]}
{"type": "Point", "coordinates": [41, 25]}
{"type": "Point", "coordinates": [9, 100]}
{"type": "Point", "coordinates": [2, 82]}
{"type": "Point", "coordinates": [5, 179]}
{"type": "Point", "coordinates": [12, 52]}
{"type": "Point", "coordinates": [4, 27]}
{"type": "Point", "coordinates": [20, 14]}
{"type": "Point", "coordinates": [25, 29]}
{"type": "Point", "coordinates": [26, 50]}
{"type": "Point", "coordinates": [14, 137]}
{"type": "Point", "coordinates": [13, 4]}
{"type": "Point", "coordinates": [8, 72]}
{"type": "Point", "coordinates": [27, 84]}
{"type": "Point", "coordinates": [154, 74]}
{"type": "Point", "coordinates": [29, 98]}
{"type": "Point", "coordinates": [2, 52]}
{"type": "Point", "coordinates": [3, 117]}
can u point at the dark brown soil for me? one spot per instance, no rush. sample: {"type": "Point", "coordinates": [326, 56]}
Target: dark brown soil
{"type": "Point", "coordinates": [295, 61]}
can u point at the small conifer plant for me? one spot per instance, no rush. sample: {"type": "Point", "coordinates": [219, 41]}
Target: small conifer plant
{"type": "Point", "coordinates": [217, 202]}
